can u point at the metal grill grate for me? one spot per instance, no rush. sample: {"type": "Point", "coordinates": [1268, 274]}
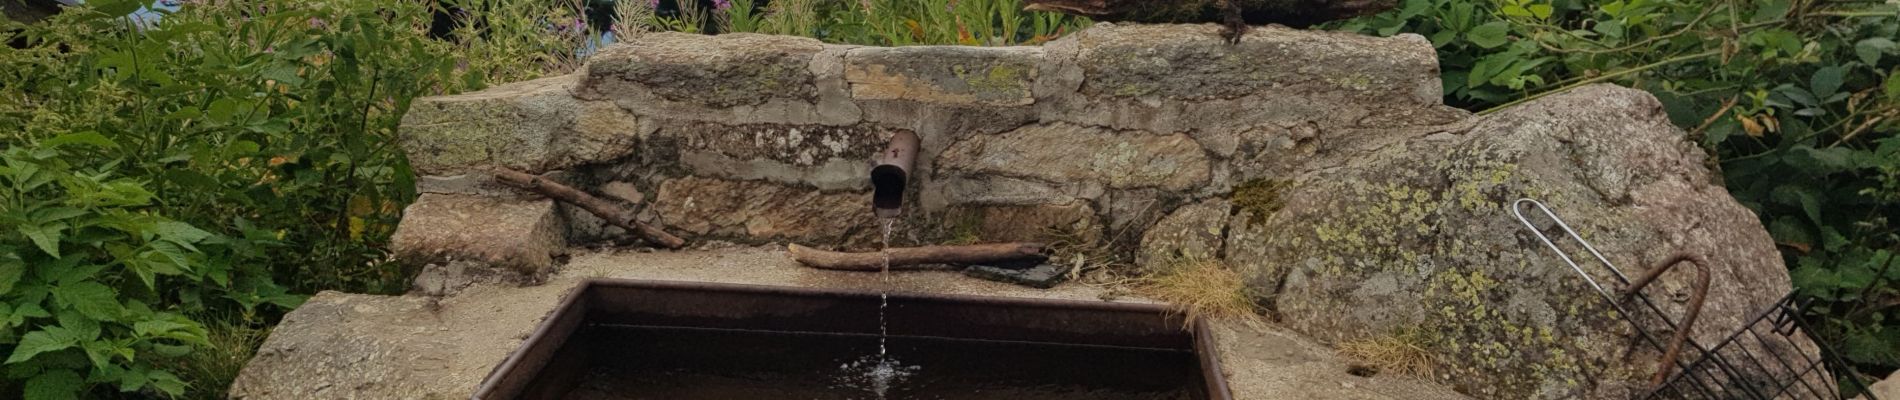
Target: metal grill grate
{"type": "Point", "coordinates": [1769, 357]}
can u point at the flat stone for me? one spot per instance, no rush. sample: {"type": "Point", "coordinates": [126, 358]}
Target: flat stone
{"type": "Point", "coordinates": [1192, 232]}
{"type": "Point", "coordinates": [624, 191]}
{"type": "Point", "coordinates": [1043, 276]}
{"type": "Point", "coordinates": [517, 235]}
{"type": "Point", "coordinates": [1885, 389]}
{"type": "Point", "coordinates": [757, 212]}
{"type": "Point", "coordinates": [949, 75]}
{"type": "Point", "coordinates": [719, 71]}
{"type": "Point", "coordinates": [1074, 153]}
{"type": "Point", "coordinates": [735, 79]}
{"type": "Point", "coordinates": [534, 126]}
{"type": "Point", "coordinates": [793, 145]}
{"type": "Point", "coordinates": [1187, 63]}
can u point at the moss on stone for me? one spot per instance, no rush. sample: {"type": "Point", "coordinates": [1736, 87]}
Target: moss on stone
{"type": "Point", "coordinates": [1259, 198]}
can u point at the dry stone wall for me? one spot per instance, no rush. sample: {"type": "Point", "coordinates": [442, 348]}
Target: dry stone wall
{"type": "Point", "coordinates": [1320, 165]}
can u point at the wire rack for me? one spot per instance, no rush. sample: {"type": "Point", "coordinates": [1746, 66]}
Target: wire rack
{"type": "Point", "coordinates": [1769, 357]}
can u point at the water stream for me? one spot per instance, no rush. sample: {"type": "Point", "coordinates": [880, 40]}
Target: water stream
{"type": "Point", "coordinates": [884, 371]}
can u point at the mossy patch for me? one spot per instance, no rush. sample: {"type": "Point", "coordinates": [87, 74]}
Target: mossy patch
{"type": "Point", "coordinates": [1259, 198]}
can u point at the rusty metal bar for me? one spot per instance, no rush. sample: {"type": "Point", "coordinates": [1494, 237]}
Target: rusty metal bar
{"type": "Point", "coordinates": [1699, 293]}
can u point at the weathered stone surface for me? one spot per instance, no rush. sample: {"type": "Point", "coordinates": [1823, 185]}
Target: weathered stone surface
{"type": "Point", "coordinates": [1192, 232]}
{"type": "Point", "coordinates": [824, 156]}
{"type": "Point", "coordinates": [752, 211]}
{"type": "Point", "coordinates": [733, 78]}
{"type": "Point", "coordinates": [623, 191]}
{"type": "Point", "coordinates": [1178, 78]}
{"type": "Point", "coordinates": [1417, 236]}
{"type": "Point", "coordinates": [1073, 221]}
{"type": "Point", "coordinates": [535, 126]}
{"type": "Point", "coordinates": [517, 235]}
{"type": "Point", "coordinates": [1886, 389]}
{"type": "Point", "coordinates": [1042, 276]}
{"type": "Point", "coordinates": [1184, 63]}
{"type": "Point", "coordinates": [714, 71]}
{"type": "Point", "coordinates": [952, 75]}
{"type": "Point", "coordinates": [795, 145]}
{"type": "Point", "coordinates": [1073, 153]}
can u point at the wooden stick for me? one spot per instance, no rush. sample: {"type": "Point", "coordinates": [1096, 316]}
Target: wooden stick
{"type": "Point", "coordinates": [906, 256]}
{"type": "Point", "coordinates": [613, 213]}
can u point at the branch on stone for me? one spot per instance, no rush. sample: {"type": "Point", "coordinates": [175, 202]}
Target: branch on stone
{"type": "Point", "coordinates": [910, 256]}
{"type": "Point", "coordinates": [606, 210]}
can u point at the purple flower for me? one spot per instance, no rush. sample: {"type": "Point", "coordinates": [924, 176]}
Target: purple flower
{"type": "Point", "coordinates": [722, 5]}
{"type": "Point", "coordinates": [654, 4]}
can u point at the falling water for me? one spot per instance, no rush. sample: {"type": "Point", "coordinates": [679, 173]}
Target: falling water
{"type": "Point", "coordinates": [886, 370]}
{"type": "Point", "coordinates": [879, 372]}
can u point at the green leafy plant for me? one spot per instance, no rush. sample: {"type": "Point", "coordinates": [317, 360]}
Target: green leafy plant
{"type": "Point", "coordinates": [86, 271]}
{"type": "Point", "coordinates": [1798, 100]}
{"type": "Point", "coordinates": [206, 167]}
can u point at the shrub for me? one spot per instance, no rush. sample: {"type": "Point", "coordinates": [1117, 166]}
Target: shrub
{"type": "Point", "coordinates": [212, 163]}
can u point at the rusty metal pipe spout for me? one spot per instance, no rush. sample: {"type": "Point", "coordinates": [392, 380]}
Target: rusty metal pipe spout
{"type": "Point", "coordinates": [892, 173]}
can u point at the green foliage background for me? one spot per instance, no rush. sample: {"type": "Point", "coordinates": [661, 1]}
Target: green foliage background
{"type": "Point", "coordinates": [167, 192]}
{"type": "Point", "coordinates": [168, 189]}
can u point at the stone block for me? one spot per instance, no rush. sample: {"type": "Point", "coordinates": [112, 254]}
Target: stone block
{"type": "Point", "coordinates": [946, 75]}
{"type": "Point", "coordinates": [756, 212]}
{"type": "Point", "coordinates": [1192, 232]}
{"type": "Point", "coordinates": [1074, 153]}
{"type": "Point", "coordinates": [516, 235]}
{"type": "Point", "coordinates": [533, 126]}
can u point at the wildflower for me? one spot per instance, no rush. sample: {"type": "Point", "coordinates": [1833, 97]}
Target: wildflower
{"type": "Point", "coordinates": [654, 4]}
{"type": "Point", "coordinates": [722, 5]}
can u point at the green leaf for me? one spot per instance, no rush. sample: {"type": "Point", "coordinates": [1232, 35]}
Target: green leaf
{"type": "Point", "coordinates": [1893, 85]}
{"type": "Point", "coordinates": [181, 233]}
{"type": "Point", "coordinates": [1542, 11]}
{"type": "Point", "coordinates": [166, 382]}
{"type": "Point", "coordinates": [1826, 81]}
{"type": "Point", "coordinates": [57, 384]}
{"type": "Point", "coordinates": [222, 110]}
{"type": "Point", "coordinates": [1807, 198]}
{"type": "Point", "coordinates": [54, 214]}
{"type": "Point", "coordinates": [50, 339]}
{"type": "Point", "coordinates": [11, 269]}
{"type": "Point", "coordinates": [90, 298]}
{"type": "Point", "coordinates": [1870, 49]}
{"type": "Point", "coordinates": [80, 138]}
{"type": "Point", "coordinates": [1489, 35]}
{"type": "Point", "coordinates": [44, 236]}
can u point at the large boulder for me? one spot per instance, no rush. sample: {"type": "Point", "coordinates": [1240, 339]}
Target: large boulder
{"type": "Point", "coordinates": [1415, 236]}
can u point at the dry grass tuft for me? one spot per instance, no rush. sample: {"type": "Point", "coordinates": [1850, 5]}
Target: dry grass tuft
{"type": "Point", "coordinates": [1400, 353]}
{"type": "Point", "coordinates": [1203, 288]}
